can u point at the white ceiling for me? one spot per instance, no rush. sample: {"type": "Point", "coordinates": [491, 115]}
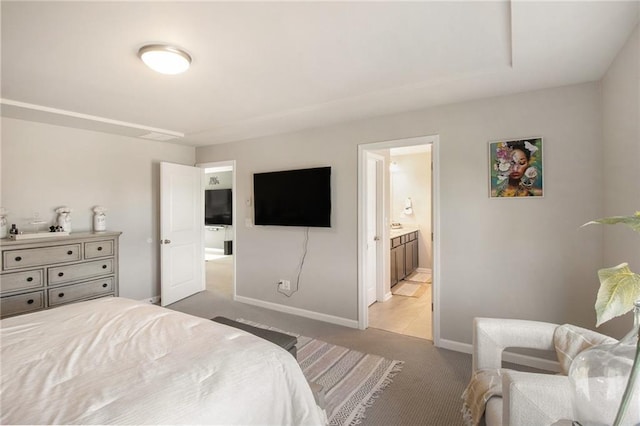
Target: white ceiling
{"type": "Point", "coordinates": [263, 68]}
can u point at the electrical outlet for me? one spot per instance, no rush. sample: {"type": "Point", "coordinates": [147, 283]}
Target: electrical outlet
{"type": "Point", "coordinates": [285, 285]}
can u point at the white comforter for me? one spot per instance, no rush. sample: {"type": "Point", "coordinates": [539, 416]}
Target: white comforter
{"type": "Point", "coordinates": [116, 360]}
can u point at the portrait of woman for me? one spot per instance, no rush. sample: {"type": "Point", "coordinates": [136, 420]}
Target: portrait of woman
{"type": "Point", "coordinates": [516, 168]}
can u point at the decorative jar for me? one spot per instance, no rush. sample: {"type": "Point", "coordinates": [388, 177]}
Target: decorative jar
{"type": "Point", "coordinates": [99, 219]}
{"type": "Point", "coordinates": [604, 381]}
{"type": "Point", "coordinates": [64, 218]}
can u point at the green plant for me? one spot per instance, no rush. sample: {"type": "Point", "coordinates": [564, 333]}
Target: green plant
{"type": "Point", "coordinates": [619, 286]}
{"type": "Point", "coordinates": [619, 289]}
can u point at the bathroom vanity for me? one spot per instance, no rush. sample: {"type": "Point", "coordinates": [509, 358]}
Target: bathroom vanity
{"type": "Point", "coordinates": [404, 253]}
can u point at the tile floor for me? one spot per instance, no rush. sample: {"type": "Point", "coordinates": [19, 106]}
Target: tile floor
{"type": "Point", "coordinates": [406, 315]}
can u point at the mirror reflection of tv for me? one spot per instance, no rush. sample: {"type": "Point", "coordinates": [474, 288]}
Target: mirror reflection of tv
{"type": "Point", "coordinates": [217, 207]}
{"type": "Point", "coordinates": [293, 197]}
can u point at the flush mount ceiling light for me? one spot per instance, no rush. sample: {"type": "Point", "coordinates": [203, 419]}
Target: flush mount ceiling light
{"type": "Point", "coordinates": [165, 59]}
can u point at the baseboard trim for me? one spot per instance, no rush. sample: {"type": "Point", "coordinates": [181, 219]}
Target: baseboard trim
{"type": "Point", "coordinates": [155, 300]}
{"type": "Point", "coordinates": [520, 359]}
{"type": "Point", "coordinates": [297, 311]}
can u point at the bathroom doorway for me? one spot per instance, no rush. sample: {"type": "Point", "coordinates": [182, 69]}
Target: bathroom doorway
{"type": "Point", "coordinates": [407, 297]}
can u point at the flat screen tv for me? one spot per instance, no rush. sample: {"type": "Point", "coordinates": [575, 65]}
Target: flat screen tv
{"type": "Point", "coordinates": [293, 197]}
{"type": "Point", "coordinates": [217, 207]}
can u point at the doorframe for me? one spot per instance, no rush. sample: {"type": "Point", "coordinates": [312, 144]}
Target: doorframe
{"type": "Point", "coordinates": [363, 309]}
{"type": "Point", "coordinates": [234, 204]}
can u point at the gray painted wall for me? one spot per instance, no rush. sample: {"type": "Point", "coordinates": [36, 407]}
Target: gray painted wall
{"type": "Point", "coordinates": [621, 163]}
{"type": "Point", "coordinates": [518, 258]}
{"type": "Point", "coordinates": [44, 167]}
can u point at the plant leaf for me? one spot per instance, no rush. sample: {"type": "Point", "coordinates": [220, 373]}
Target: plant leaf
{"type": "Point", "coordinates": [619, 288]}
{"type": "Point", "coordinates": [631, 221]}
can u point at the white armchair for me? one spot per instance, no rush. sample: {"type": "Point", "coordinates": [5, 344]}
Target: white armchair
{"type": "Point", "coordinates": [527, 398]}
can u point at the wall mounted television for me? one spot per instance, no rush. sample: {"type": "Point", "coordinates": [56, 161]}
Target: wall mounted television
{"type": "Point", "coordinates": [293, 197]}
{"type": "Point", "coordinates": [217, 207]}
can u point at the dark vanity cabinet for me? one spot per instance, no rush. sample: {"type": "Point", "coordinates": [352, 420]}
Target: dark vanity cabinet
{"type": "Point", "coordinates": [404, 256]}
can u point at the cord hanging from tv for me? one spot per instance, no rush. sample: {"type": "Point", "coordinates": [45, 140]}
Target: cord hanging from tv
{"type": "Point", "coordinates": [218, 207]}
{"type": "Point", "coordinates": [293, 197]}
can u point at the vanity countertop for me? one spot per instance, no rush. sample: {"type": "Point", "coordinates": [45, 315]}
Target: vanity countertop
{"type": "Point", "coordinates": [393, 233]}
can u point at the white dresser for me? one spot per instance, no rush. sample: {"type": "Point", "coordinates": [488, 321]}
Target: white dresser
{"type": "Point", "coordinates": [44, 273]}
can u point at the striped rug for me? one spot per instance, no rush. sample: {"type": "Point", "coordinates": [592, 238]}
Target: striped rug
{"type": "Point", "coordinates": [351, 379]}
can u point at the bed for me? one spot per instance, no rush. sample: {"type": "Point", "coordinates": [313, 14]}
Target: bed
{"type": "Point", "coordinates": [119, 361]}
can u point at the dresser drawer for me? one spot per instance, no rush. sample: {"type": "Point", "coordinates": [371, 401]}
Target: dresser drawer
{"type": "Point", "coordinates": [21, 303]}
{"type": "Point", "coordinates": [14, 259]}
{"type": "Point", "coordinates": [98, 249]}
{"type": "Point", "coordinates": [86, 290]}
{"type": "Point", "coordinates": [80, 271]}
{"type": "Point", "coordinates": [21, 280]}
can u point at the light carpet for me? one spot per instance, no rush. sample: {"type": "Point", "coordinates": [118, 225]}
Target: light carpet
{"type": "Point", "coordinates": [351, 379]}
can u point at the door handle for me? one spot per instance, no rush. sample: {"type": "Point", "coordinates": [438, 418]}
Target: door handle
{"type": "Point", "coordinates": [376, 238]}
{"type": "Point", "coordinates": [165, 241]}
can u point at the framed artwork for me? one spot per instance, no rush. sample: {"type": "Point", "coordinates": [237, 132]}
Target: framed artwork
{"type": "Point", "coordinates": [516, 168]}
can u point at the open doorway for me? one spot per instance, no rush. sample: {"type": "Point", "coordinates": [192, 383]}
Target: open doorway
{"type": "Point", "coordinates": [219, 231]}
{"type": "Point", "coordinates": [406, 270]}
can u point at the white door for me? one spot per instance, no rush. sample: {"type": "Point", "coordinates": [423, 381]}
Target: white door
{"type": "Point", "coordinates": [181, 232]}
{"type": "Point", "coordinates": [372, 246]}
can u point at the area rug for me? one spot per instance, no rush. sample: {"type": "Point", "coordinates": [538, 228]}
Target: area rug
{"type": "Point", "coordinates": [351, 380]}
{"type": "Point", "coordinates": [409, 289]}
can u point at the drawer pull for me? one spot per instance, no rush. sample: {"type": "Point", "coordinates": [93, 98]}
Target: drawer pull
{"type": "Point", "coordinates": [30, 302]}
{"type": "Point", "coordinates": [100, 248]}
{"type": "Point", "coordinates": [60, 274]}
{"type": "Point", "coordinates": [104, 266]}
{"type": "Point", "coordinates": [105, 285]}
{"type": "Point", "coordinates": [29, 279]}
{"type": "Point", "coordinates": [18, 258]}
{"type": "Point", "coordinates": [70, 252]}
{"type": "Point", "coordinates": [60, 294]}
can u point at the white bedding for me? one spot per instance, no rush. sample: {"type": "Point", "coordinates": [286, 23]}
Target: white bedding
{"type": "Point", "coordinates": [115, 360]}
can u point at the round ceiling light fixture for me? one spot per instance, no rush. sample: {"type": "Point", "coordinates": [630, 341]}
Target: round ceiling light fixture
{"type": "Point", "coordinates": [165, 59]}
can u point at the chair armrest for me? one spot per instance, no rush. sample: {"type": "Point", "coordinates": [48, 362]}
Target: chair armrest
{"type": "Point", "coordinates": [535, 399]}
{"type": "Point", "coordinates": [492, 335]}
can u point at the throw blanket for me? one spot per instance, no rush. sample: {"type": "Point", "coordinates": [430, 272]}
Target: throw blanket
{"type": "Point", "coordinates": [483, 385]}
{"type": "Point", "coordinates": [568, 340]}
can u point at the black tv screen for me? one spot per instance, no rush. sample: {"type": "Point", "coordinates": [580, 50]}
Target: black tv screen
{"type": "Point", "coordinates": [293, 197]}
{"type": "Point", "coordinates": [217, 207]}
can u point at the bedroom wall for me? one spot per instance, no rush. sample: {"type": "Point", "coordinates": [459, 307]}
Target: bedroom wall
{"type": "Point", "coordinates": [518, 258]}
{"type": "Point", "coordinates": [621, 161]}
{"type": "Point", "coordinates": [44, 167]}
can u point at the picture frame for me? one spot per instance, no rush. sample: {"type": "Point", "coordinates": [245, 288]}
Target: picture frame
{"type": "Point", "coordinates": [516, 168]}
